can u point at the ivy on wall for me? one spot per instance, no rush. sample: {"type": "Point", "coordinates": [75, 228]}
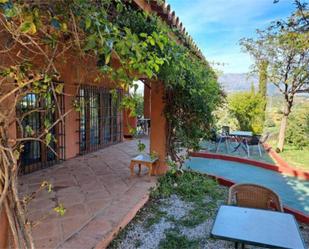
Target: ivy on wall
{"type": "Point", "coordinates": [145, 47]}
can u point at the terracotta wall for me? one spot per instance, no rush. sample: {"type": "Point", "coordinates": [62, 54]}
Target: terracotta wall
{"type": "Point", "coordinates": [128, 123]}
{"type": "Point", "coordinates": [158, 126]}
{"type": "Point", "coordinates": [76, 72]}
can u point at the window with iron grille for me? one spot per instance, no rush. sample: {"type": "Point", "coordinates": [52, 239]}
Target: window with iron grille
{"type": "Point", "coordinates": [100, 121]}
{"type": "Point", "coordinates": [32, 112]}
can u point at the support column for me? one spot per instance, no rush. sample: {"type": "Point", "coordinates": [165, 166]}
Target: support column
{"type": "Point", "coordinates": [71, 122]}
{"type": "Point", "coordinates": [147, 102]}
{"type": "Point", "coordinates": [158, 127]}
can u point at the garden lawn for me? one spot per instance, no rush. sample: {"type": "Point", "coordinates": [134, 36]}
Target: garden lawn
{"type": "Point", "coordinates": [296, 157]}
{"type": "Point", "coordinates": [293, 156]}
{"type": "Point", "coordinates": [179, 214]}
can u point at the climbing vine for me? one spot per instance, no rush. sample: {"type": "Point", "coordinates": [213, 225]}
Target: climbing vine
{"type": "Point", "coordinates": [36, 37]}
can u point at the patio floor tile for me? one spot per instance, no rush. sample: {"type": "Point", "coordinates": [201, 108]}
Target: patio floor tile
{"type": "Point", "coordinates": [97, 192]}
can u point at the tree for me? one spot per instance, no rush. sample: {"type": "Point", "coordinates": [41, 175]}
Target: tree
{"type": "Point", "coordinates": [263, 65]}
{"type": "Point", "coordinates": [247, 108]}
{"type": "Point", "coordinates": [301, 23]}
{"type": "Point", "coordinates": [286, 50]}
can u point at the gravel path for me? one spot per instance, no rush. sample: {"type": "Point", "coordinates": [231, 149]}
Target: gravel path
{"type": "Point", "coordinates": [148, 230]}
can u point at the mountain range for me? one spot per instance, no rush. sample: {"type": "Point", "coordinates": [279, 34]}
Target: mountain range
{"type": "Point", "coordinates": [235, 82]}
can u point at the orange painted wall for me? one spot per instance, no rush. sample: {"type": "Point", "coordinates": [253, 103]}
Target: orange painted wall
{"type": "Point", "coordinates": [75, 72]}
{"type": "Point", "coordinates": [158, 126]}
{"type": "Point", "coordinates": [128, 123]}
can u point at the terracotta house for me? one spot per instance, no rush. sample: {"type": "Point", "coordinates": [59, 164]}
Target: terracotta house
{"type": "Point", "coordinates": [99, 123]}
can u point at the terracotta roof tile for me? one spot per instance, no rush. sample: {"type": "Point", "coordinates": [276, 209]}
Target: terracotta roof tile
{"type": "Point", "coordinates": [164, 10]}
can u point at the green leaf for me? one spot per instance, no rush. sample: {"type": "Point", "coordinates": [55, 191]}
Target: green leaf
{"type": "Point", "coordinates": [156, 67]}
{"type": "Point", "coordinates": [151, 40]}
{"type": "Point", "coordinates": [149, 73]}
{"type": "Point", "coordinates": [64, 27]}
{"type": "Point", "coordinates": [119, 7]}
{"type": "Point", "coordinates": [29, 131]}
{"type": "Point", "coordinates": [160, 44]}
{"type": "Point", "coordinates": [107, 58]}
{"type": "Point", "coordinates": [11, 12]}
{"type": "Point", "coordinates": [16, 154]}
{"type": "Point", "coordinates": [87, 22]}
{"type": "Point", "coordinates": [46, 123]}
{"type": "Point", "coordinates": [59, 88]}
{"type": "Point", "coordinates": [28, 27]}
{"type": "Point", "coordinates": [49, 188]}
{"type": "Point", "coordinates": [159, 61]}
{"type": "Point", "coordinates": [4, 1]}
{"type": "Point", "coordinates": [60, 209]}
{"type": "Point", "coordinates": [144, 35]}
{"type": "Point", "coordinates": [48, 138]}
{"type": "Point", "coordinates": [91, 42]}
{"type": "Point", "coordinates": [47, 78]}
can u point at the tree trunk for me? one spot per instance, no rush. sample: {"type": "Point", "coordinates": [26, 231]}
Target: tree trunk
{"type": "Point", "coordinates": [281, 137]}
{"type": "Point", "coordinates": [4, 228]}
{"type": "Point", "coordinates": [283, 126]}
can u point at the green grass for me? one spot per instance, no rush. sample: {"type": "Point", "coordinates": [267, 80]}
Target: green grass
{"type": "Point", "coordinates": [189, 186]}
{"type": "Point", "coordinates": [195, 217]}
{"type": "Point", "coordinates": [174, 240]}
{"type": "Point", "coordinates": [293, 156]}
{"type": "Point", "coordinates": [296, 157]}
{"type": "Point", "coordinates": [155, 215]}
{"type": "Point", "coordinates": [192, 187]}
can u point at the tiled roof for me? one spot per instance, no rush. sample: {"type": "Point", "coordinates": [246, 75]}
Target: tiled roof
{"type": "Point", "coordinates": [164, 10]}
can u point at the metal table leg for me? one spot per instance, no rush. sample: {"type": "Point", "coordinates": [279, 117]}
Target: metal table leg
{"type": "Point", "coordinates": [218, 144]}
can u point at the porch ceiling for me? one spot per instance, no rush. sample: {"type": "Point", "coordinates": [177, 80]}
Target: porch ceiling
{"type": "Point", "coordinates": [97, 193]}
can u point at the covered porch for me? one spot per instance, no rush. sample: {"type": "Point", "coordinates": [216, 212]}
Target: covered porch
{"type": "Point", "coordinates": [97, 192]}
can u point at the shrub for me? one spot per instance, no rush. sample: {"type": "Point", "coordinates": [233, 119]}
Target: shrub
{"type": "Point", "coordinates": [298, 129]}
{"type": "Point", "coordinates": [248, 109]}
{"type": "Point", "coordinates": [270, 123]}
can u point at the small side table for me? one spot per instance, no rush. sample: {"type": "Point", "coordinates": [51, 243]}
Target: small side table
{"type": "Point", "coordinates": [257, 227]}
{"type": "Point", "coordinates": [145, 160]}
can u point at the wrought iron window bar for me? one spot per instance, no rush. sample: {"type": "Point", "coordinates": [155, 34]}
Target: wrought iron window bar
{"type": "Point", "coordinates": [35, 155]}
{"type": "Point", "coordinates": [100, 118]}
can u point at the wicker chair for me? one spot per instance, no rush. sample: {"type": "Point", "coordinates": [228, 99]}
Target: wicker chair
{"type": "Point", "coordinates": [254, 196]}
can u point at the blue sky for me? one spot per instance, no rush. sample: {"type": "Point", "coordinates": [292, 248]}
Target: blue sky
{"type": "Point", "coordinates": [217, 26]}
